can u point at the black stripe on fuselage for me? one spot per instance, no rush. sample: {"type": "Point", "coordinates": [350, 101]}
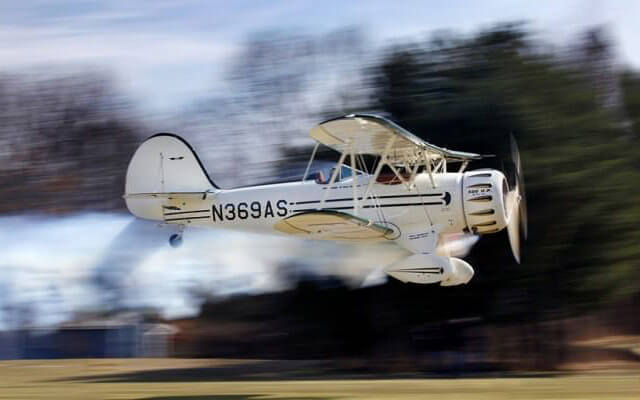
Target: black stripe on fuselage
{"type": "Point", "coordinates": [185, 218]}
{"type": "Point", "coordinates": [185, 212]}
{"type": "Point", "coordinates": [372, 206]}
{"type": "Point", "coordinates": [376, 197]}
{"type": "Point", "coordinates": [420, 272]}
{"type": "Point", "coordinates": [424, 269]}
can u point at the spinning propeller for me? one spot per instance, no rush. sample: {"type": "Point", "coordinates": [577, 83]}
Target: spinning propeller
{"type": "Point", "coordinates": [516, 202]}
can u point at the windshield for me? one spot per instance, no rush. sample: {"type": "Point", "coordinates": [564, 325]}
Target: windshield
{"type": "Point", "coordinates": [323, 176]}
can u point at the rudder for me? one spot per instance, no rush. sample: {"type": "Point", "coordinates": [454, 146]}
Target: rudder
{"type": "Point", "coordinates": [164, 163]}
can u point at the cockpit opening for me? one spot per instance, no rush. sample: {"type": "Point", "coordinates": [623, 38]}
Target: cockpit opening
{"type": "Point", "coordinates": [388, 177]}
{"type": "Point", "coordinates": [323, 176]}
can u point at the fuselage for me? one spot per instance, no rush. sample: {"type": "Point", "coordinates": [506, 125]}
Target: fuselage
{"type": "Point", "coordinates": [167, 182]}
{"type": "Point", "coordinates": [408, 211]}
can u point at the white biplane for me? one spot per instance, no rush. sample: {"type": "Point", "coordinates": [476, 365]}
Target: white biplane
{"type": "Point", "coordinates": [409, 198]}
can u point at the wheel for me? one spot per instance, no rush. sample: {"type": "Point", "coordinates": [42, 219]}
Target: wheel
{"type": "Point", "coordinates": [175, 240]}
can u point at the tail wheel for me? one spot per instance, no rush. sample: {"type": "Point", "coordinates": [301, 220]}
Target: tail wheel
{"type": "Point", "coordinates": [175, 240]}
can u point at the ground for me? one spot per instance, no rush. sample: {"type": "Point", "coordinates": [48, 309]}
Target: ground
{"type": "Point", "coordinates": [175, 379]}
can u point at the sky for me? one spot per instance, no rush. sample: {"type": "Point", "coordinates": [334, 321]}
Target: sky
{"type": "Point", "coordinates": [167, 54]}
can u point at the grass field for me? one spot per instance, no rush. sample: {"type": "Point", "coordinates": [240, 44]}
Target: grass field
{"type": "Point", "coordinates": [171, 379]}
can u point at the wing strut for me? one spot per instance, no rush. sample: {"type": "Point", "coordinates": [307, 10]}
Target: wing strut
{"type": "Point", "coordinates": [334, 175]}
{"type": "Point", "coordinates": [463, 166]}
{"type": "Point", "coordinates": [313, 155]}
{"type": "Point", "coordinates": [410, 162]}
{"type": "Point", "coordinates": [381, 163]}
{"type": "Point", "coordinates": [354, 183]}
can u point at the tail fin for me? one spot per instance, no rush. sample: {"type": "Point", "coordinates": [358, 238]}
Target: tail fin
{"type": "Point", "coordinates": [163, 164]}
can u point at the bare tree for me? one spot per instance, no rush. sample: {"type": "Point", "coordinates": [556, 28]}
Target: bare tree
{"type": "Point", "coordinates": [68, 140]}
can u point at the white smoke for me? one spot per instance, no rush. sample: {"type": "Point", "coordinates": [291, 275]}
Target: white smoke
{"type": "Point", "coordinates": [54, 267]}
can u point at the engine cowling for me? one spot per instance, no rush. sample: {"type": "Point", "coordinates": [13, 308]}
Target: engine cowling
{"type": "Point", "coordinates": [484, 202]}
{"type": "Point", "coordinates": [428, 268]}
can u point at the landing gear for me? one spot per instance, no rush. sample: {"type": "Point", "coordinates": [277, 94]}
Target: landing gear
{"type": "Point", "coordinates": [175, 240]}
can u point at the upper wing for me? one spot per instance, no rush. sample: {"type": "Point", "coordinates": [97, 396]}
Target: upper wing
{"type": "Point", "coordinates": [371, 134]}
{"type": "Point", "coordinates": [331, 225]}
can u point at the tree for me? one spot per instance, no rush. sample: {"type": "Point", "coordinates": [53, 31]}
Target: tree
{"type": "Point", "coordinates": [69, 142]}
{"type": "Point", "coordinates": [471, 93]}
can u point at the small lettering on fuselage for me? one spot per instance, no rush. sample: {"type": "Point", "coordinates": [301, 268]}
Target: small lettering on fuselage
{"type": "Point", "coordinates": [244, 210]}
{"type": "Point", "coordinates": [479, 191]}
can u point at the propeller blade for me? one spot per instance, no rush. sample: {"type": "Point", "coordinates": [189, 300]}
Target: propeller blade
{"type": "Point", "coordinates": [516, 204]}
{"type": "Point", "coordinates": [513, 226]}
{"type": "Point", "coordinates": [515, 155]}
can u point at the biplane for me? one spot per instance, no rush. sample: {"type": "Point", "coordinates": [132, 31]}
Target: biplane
{"type": "Point", "coordinates": [417, 195]}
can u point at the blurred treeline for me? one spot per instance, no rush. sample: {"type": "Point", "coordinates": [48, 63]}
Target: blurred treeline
{"type": "Point", "coordinates": [66, 141]}
{"type": "Point", "coordinates": [400, 328]}
{"type": "Point", "coordinates": [575, 115]}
